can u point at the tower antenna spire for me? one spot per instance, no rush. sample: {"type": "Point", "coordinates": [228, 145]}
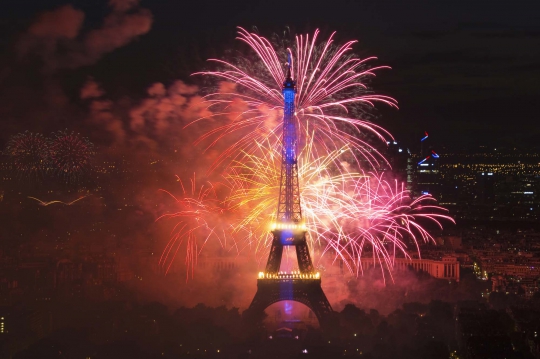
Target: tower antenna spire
{"type": "Point", "coordinates": [289, 65]}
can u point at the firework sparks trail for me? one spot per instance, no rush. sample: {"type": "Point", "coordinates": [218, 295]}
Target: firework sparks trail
{"type": "Point", "coordinates": [384, 218]}
{"type": "Point", "coordinates": [345, 211]}
{"type": "Point", "coordinates": [45, 204]}
{"type": "Point", "coordinates": [70, 155]}
{"type": "Point", "coordinates": [254, 184]}
{"type": "Point", "coordinates": [331, 97]}
{"type": "Point", "coordinates": [65, 156]}
{"type": "Point", "coordinates": [30, 155]}
{"type": "Point", "coordinates": [198, 208]}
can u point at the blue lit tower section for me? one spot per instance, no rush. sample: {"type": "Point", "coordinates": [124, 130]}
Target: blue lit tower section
{"type": "Point", "coordinates": [289, 210]}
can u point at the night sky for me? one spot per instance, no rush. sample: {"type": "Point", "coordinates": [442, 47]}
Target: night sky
{"type": "Point", "coordinates": [465, 71]}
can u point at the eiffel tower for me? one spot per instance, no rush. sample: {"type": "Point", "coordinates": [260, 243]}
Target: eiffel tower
{"type": "Point", "coordinates": [304, 285]}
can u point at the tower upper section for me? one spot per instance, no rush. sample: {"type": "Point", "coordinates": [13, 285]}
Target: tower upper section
{"type": "Point", "coordinates": [289, 211]}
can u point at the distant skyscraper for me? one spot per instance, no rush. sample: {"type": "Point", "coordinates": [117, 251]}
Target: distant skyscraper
{"type": "Point", "coordinates": [485, 187]}
{"type": "Point", "coordinates": [427, 175]}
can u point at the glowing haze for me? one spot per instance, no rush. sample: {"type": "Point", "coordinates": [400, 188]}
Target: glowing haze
{"type": "Point", "coordinates": [351, 211]}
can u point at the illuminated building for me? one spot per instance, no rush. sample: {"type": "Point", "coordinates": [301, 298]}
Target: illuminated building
{"type": "Point", "coordinates": [446, 267]}
{"type": "Point", "coordinates": [303, 285]}
{"type": "Point", "coordinates": [485, 187]}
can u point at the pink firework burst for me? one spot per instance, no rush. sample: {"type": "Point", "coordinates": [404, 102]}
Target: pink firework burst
{"type": "Point", "coordinates": [332, 96]}
{"type": "Point", "coordinates": [382, 221]}
{"type": "Point", "coordinates": [346, 211]}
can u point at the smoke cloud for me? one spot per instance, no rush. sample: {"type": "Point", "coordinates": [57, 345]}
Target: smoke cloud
{"type": "Point", "coordinates": [56, 36]}
{"type": "Point", "coordinates": [91, 89]}
{"type": "Point", "coordinates": [123, 5]}
{"type": "Point", "coordinates": [62, 23]}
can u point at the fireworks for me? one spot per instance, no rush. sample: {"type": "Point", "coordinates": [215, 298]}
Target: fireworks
{"type": "Point", "coordinates": [70, 156]}
{"type": "Point", "coordinates": [195, 218]}
{"type": "Point", "coordinates": [350, 211]}
{"type": "Point", "coordinates": [347, 212]}
{"type": "Point", "coordinates": [254, 184]}
{"type": "Point", "coordinates": [64, 156]}
{"type": "Point", "coordinates": [331, 96]}
{"type": "Point", "coordinates": [381, 220]}
{"type": "Point", "coordinates": [29, 153]}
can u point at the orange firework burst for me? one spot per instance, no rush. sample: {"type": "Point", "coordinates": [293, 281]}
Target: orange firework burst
{"type": "Point", "coordinates": [198, 208]}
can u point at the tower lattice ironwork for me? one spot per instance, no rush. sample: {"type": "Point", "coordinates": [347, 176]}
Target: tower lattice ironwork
{"type": "Point", "coordinates": [289, 229]}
